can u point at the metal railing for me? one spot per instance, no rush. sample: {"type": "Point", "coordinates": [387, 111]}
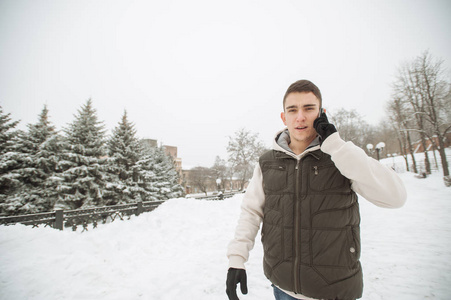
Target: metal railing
{"type": "Point", "coordinates": [61, 219]}
{"type": "Point", "coordinates": [217, 196]}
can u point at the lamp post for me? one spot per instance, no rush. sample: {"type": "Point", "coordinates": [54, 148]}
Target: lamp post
{"type": "Point", "coordinates": [379, 148]}
{"type": "Point", "coordinates": [218, 183]}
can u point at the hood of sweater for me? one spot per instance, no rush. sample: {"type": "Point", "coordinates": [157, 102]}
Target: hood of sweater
{"type": "Point", "coordinates": [282, 142]}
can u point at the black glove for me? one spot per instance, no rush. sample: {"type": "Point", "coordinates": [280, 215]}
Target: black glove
{"type": "Point", "coordinates": [233, 277]}
{"type": "Point", "coordinates": [323, 127]}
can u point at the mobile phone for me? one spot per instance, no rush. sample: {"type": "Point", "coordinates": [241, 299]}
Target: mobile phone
{"type": "Point", "coordinates": [321, 110]}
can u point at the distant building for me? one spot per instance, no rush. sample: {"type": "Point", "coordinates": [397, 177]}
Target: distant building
{"type": "Point", "coordinates": [170, 151]}
{"type": "Point", "coordinates": [186, 180]}
{"type": "Point", "coordinates": [191, 182]}
{"type": "Point", "coordinates": [418, 146]}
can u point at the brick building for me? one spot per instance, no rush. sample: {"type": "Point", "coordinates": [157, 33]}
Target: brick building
{"type": "Point", "coordinates": [418, 146]}
{"type": "Point", "coordinates": [169, 150]}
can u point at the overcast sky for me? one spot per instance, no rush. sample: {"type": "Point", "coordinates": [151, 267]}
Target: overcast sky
{"type": "Point", "coordinates": [191, 73]}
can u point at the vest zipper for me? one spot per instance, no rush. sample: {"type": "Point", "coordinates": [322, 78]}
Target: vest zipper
{"type": "Point", "coordinates": [297, 248]}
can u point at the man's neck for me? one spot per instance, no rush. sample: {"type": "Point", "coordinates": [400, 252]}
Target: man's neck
{"type": "Point", "coordinates": [300, 146]}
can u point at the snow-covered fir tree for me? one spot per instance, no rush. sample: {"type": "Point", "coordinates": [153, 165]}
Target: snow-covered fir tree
{"type": "Point", "coordinates": [41, 170]}
{"type": "Point", "coordinates": [158, 179]}
{"type": "Point", "coordinates": [124, 150]}
{"type": "Point", "coordinates": [82, 165]}
{"type": "Point", "coordinates": [36, 157]}
{"type": "Point", "coordinates": [10, 160]}
{"type": "Point", "coordinates": [7, 134]}
{"type": "Point", "coordinates": [38, 133]}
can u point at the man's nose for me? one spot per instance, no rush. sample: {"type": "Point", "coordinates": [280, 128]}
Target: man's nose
{"type": "Point", "coordinates": [300, 116]}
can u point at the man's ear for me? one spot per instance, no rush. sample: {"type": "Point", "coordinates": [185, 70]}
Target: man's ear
{"type": "Point", "coordinates": [282, 116]}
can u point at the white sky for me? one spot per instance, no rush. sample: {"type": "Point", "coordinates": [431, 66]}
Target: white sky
{"type": "Point", "coordinates": [191, 73]}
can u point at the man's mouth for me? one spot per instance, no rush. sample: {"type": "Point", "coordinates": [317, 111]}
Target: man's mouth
{"type": "Point", "coordinates": [301, 127]}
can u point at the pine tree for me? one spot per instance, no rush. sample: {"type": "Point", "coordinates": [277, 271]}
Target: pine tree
{"type": "Point", "coordinates": [6, 134]}
{"type": "Point", "coordinates": [10, 160]}
{"type": "Point", "coordinates": [36, 157]}
{"type": "Point", "coordinates": [37, 133]}
{"type": "Point", "coordinates": [82, 163]}
{"type": "Point", "coordinates": [158, 179]}
{"type": "Point", "coordinates": [124, 150]}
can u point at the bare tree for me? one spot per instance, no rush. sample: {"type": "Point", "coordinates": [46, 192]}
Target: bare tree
{"type": "Point", "coordinates": [398, 115]}
{"type": "Point", "coordinates": [202, 178]}
{"type": "Point", "coordinates": [406, 88]}
{"type": "Point", "coordinates": [421, 83]}
{"type": "Point", "coordinates": [352, 127]}
{"type": "Point", "coordinates": [220, 171]}
{"type": "Point", "coordinates": [384, 132]}
{"type": "Point", "coordinates": [244, 149]}
{"type": "Point", "coordinates": [435, 93]}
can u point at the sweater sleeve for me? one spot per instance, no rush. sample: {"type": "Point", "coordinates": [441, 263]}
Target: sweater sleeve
{"type": "Point", "coordinates": [372, 180]}
{"type": "Point", "coordinates": [248, 223]}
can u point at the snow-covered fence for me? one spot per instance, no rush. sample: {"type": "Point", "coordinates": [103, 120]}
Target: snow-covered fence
{"type": "Point", "coordinates": [399, 165]}
{"type": "Point", "coordinates": [217, 196]}
{"type": "Point", "coordinates": [61, 219]}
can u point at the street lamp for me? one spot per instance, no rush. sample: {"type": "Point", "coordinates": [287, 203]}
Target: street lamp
{"type": "Point", "coordinates": [218, 183]}
{"type": "Point", "coordinates": [379, 148]}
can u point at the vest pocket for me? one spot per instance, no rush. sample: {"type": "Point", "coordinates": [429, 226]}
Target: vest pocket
{"type": "Point", "coordinates": [327, 179]}
{"type": "Point", "coordinates": [274, 177]}
{"type": "Point", "coordinates": [335, 253]}
{"type": "Point", "coordinates": [330, 247]}
{"type": "Point", "coordinates": [354, 236]}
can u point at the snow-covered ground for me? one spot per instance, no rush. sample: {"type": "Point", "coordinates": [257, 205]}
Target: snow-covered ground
{"type": "Point", "coordinates": [178, 252]}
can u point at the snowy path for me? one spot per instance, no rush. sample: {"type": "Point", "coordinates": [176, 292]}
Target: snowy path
{"type": "Point", "coordinates": [178, 252]}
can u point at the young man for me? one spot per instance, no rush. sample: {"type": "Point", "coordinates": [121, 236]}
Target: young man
{"type": "Point", "coordinates": [304, 192]}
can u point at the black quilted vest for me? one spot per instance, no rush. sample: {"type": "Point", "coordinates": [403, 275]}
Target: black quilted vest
{"type": "Point", "coordinates": [310, 233]}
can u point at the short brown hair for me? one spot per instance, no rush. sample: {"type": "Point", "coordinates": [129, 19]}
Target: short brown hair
{"type": "Point", "coordinates": [303, 86]}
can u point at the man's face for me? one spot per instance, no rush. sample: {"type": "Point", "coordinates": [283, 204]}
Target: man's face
{"type": "Point", "coordinates": [300, 110]}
